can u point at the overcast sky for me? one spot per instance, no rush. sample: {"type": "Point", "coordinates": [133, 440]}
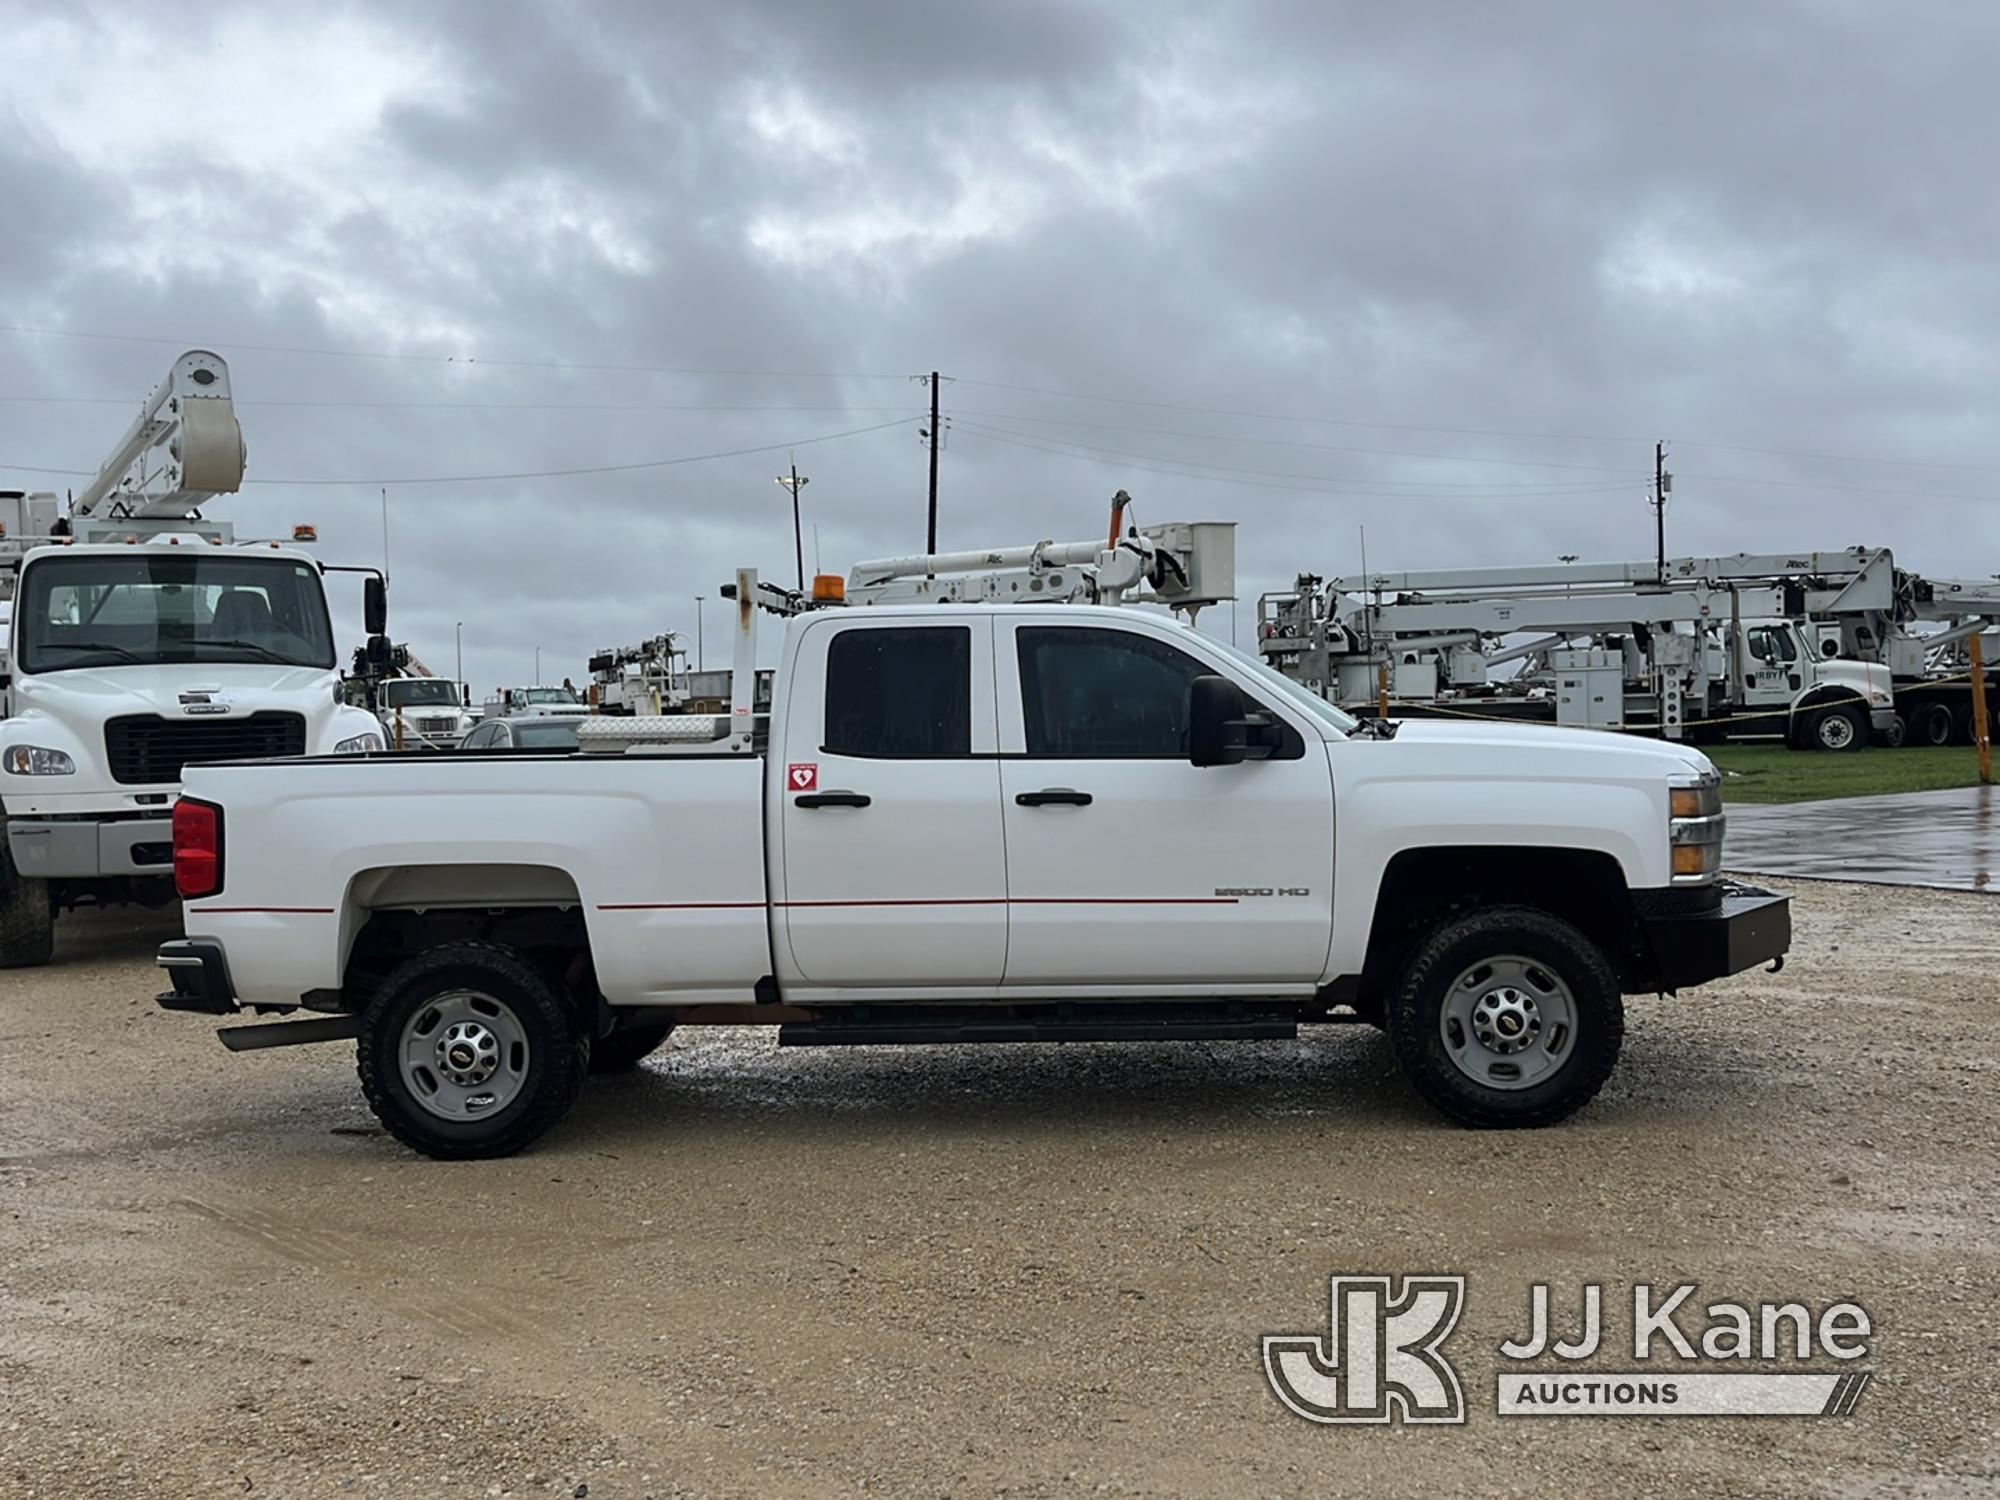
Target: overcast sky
{"type": "Point", "coordinates": [1441, 270]}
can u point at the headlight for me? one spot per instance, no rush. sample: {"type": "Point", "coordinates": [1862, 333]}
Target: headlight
{"type": "Point", "coordinates": [33, 760]}
{"type": "Point", "coordinates": [1694, 828]}
{"type": "Point", "coordinates": [361, 744]}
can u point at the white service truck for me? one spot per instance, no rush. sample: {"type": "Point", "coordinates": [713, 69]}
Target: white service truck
{"type": "Point", "coordinates": [963, 821]}
{"type": "Point", "coordinates": [144, 639]}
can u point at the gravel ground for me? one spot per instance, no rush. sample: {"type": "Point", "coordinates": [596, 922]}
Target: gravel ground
{"type": "Point", "coordinates": [1028, 1270]}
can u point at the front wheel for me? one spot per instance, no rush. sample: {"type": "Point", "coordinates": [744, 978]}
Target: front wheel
{"type": "Point", "coordinates": [1507, 1018]}
{"type": "Point", "coordinates": [466, 1051]}
{"type": "Point", "coordinates": [1838, 729]}
{"type": "Point", "coordinates": [27, 917]}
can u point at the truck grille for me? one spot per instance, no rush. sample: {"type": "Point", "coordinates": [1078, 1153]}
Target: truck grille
{"type": "Point", "coordinates": [143, 748]}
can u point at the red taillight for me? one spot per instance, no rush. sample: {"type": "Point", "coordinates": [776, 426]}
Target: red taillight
{"type": "Point", "coordinates": [197, 848]}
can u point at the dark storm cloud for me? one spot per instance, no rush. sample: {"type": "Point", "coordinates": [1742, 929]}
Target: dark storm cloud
{"type": "Point", "coordinates": [1761, 225]}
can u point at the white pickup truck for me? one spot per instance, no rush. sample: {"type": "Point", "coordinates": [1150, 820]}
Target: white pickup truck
{"type": "Point", "coordinates": [966, 822]}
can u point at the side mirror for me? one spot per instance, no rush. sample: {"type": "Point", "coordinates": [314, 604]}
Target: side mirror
{"type": "Point", "coordinates": [379, 652]}
{"type": "Point", "coordinates": [1217, 731]}
{"type": "Point", "coordinates": [374, 605]}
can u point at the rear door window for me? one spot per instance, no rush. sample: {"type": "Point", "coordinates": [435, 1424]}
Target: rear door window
{"type": "Point", "coordinates": [902, 693]}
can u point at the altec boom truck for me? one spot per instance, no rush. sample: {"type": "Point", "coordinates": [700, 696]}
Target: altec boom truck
{"type": "Point", "coordinates": [144, 638]}
{"type": "Point", "coordinates": [1706, 648]}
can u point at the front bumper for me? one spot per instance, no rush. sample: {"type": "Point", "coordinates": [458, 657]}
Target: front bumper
{"type": "Point", "coordinates": [201, 977]}
{"type": "Point", "coordinates": [1883, 718]}
{"type": "Point", "coordinates": [1696, 936]}
{"type": "Point", "coordinates": [84, 848]}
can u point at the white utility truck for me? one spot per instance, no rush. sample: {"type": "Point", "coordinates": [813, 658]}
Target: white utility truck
{"type": "Point", "coordinates": [557, 702]}
{"type": "Point", "coordinates": [144, 639]}
{"type": "Point", "coordinates": [965, 820]}
{"type": "Point", "coordinates": [419, 712]}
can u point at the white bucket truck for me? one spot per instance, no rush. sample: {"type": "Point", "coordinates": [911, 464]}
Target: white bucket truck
{"type": "Point", "coordinates": [144, 638]}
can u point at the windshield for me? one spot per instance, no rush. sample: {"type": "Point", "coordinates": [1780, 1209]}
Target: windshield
{"type": "Point", "coordinates": [1292, 692]}
{"type": "Point", "coordinates": [547, 695]}
{"type": "Point", "coordinates": [429, 692]}
{"type": "Point", "coordinates": [93, 610]}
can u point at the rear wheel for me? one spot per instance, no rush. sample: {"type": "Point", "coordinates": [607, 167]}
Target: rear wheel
{"type": "Point", "coordinates": [27, 918]}
{"type": "Point", "coordinates": [466, 1051]}
{"type": "Point", "coordinates": [621, 1051]}
{"type": "Point", "coordinates": [1844, 728]}
{"type": "Point", "coordinates": [1931, 724]}
{"type": "Point", "coordinates": [1895, 735]}
{"type": "Point", "coordinates": [1506, 1018]}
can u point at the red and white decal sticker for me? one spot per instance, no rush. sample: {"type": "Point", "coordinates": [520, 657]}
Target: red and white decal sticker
{"type": "Point", "coordinates": [803, 777]}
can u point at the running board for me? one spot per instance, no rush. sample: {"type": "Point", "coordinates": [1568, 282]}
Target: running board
{"type": "Point", "coordinates": [289, 1033]}
{"type": "Point", "coordinates": [877, 1026]}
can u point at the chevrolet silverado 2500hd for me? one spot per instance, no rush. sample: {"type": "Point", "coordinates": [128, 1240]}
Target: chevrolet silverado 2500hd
{"type": "Point", "coordinates": [964, 822]}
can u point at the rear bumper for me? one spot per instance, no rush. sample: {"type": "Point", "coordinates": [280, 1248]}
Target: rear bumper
{"type": "Point", "coordinates": [1711, 934]}
{"type": "Point", "coordinates": [200, 976]}
{"type": "Point", "coordinates": [82, 848]}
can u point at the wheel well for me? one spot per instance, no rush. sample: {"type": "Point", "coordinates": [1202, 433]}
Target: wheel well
{"type": "Point", "coordinates": [1829, 696]}
{"type": "Point", "coordinates": [552, 939]}
{"type": "Point", "coordinates": [1423, 887]}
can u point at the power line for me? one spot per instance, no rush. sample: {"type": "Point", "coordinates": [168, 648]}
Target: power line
{"type": "Point", "coordinates": [474, 361]}
{"type": "Point", "coordinates": [1315, 484]}
{"type": "Point", "coordinates": [702, 406]}
{"type": "Point", "coordinates": [437, 359]}
{"type": "Point", "coordinates": [654, 463]}
{"type": "Point", "coordinates": [1268, 442]}
{"type": "Point", "coordinates": [1266, 416]}
{"type": "Point", "coordinates": [1442, 485]}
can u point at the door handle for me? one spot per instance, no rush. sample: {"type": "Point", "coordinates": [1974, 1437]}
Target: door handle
{"type": "Point", "coordinates": [1053, 796]}
{"type": "Point", "coordinates": [832, 799]}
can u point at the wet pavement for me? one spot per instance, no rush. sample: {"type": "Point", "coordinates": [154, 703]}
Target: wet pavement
{"type": "Point", "coordinates": [1945, 840]}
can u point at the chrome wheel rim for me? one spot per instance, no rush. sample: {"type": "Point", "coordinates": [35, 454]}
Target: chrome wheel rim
{"type": "Point", "coordinates": [1836, 731]}
{"type": "Point", "coordinates": [1508, 1022]}
{"type": "Point", "coordinates": [464, 1055]}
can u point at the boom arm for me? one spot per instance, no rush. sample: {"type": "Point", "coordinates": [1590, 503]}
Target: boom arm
{"type": "Point", "coordinates": [184, 448]}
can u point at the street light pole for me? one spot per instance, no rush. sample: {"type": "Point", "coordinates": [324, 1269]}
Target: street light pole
{"type": "Point", "coordinates": [538, 666]}
{"type": "Point", "coordinates": [698, 663]}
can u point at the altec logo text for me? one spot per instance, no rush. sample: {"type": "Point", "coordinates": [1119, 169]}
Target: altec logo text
{"type": "Point", "coordinates": [1383, 1359]}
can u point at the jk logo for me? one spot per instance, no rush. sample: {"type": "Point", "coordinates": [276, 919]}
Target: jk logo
{"type": "Point", "coordinates": [1380, 1361]}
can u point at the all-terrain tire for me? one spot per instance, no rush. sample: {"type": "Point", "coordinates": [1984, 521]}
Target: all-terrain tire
{"type": "Point", "coordinates": [27, 918]}
{"type": "Point", "coordinates": [622, 1050]}
{"type": "Point", "coordinates": [1417, 1013]}
{"type": "Point", "coordinates": [557, 1051]}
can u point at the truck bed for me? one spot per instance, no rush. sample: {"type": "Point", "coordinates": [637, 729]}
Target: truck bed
{"type": "Point", "coordinates": [602, 835]}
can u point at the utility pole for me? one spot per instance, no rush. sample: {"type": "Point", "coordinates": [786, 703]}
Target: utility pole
{"type": "Point", "coordinates": [460, 631]}
{"type": "Point", "coordinates": [796, 483]}
{"type": "Point", "coordinates": [1663, 486]}
{"type": "Point", "coordinates": [933, 436]}
{"type": "Point", "coordinates": [698, 657]}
